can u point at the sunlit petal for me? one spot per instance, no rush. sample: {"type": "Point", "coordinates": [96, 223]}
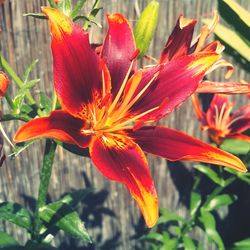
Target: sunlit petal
{"type": "Point", "coordinates": [59, 125]}
{"type": "Point", "coordinates": [121, 160]}
{"type": "Point", "coordinates": [174, 145]}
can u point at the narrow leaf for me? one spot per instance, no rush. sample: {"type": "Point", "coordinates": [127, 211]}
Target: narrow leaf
{"type": "Point", "coordinates": [210, 173]}
{"type": "Point", "coordinates": [232, 39]}
{"type": "Point", "coordinates": [76, 10]}
{"type": "Point", "coordinates": [195, 201]}
{"type": "Point", "coordinates": [208, 221]}
{"type": "Point", "coordinates": [28, 70]}
{"type": "Point", "coordinates": [219, 201]}
{"type": "Point", "coordinates": [167, 216]}
{"type": "Point", "coordinates": [241, 245]}
{"type": "Point", "coordinates": [242, 13]}
{"type": "Point", "coordinates": [188, 243]}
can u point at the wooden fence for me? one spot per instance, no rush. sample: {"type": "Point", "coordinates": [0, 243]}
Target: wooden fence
{"type": "Point", "coordinates": [110, 213]}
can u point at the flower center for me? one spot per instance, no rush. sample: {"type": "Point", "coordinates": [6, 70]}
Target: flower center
{"type": "Point", "coordinates": [107, 114]}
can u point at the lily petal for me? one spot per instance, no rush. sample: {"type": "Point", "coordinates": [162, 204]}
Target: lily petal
{"type": "Point", "coordinates": [59, 125]}
{"type": "Point", "coordinates": [198, 110]}
{"type": "Point", "coordinates": [118, 158]}
{"type": "Point", "coordinates": [118, 48]}
{"type": "Point", "coordinates": [177, 80]}
{"type": "Point", "coordinates": [179, 41]}
{"type": "Point", "coordinates": [164, 142]}
{"type": "Point", "coordinates": [76, 67]}
{"type": "Point", "coordinates": [223, 87]}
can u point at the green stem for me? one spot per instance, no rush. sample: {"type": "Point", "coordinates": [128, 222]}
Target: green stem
{"type": "Point", "coordinates": [10, 117]}
{"type": "Point", "coordinates": [48, 159]}
{"type": "Point", "coordinates": [52, 3]}
{"type": "Point", "coordinates": [92, 14]}
{"type": "Point", "coordinates": [9, 101]}
{"type": "Point", "coordinates": [15, 77]}
{"type": "Point", "coordinates": [54, 101]}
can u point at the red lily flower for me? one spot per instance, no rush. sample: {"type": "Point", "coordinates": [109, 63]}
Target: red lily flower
{"type": "Point", "coordinates": [220, 123]}
{"type": "Point", "coordinates": [105, 102]}
{"type": "Point", "coordinates": [180, 43]}
{"type": "Point", "coordinates": [4, 83]}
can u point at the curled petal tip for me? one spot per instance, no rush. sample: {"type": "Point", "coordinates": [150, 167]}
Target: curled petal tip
{"type": "Point", "coordinates": [116, 18]}
{"type": "Point", "coordinates": [184, 22]}
{"type": "Point", "coordinates": [59, 23]}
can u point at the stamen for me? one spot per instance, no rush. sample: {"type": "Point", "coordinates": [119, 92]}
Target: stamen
{"type": "Point", "coordinates": [122, 124]}
{"type": "Point", "coordinates": [134, 55]}
{"type": "Point", "coordinates": [133, 101]}
{"type": "Point", "coordinates": [220, 118]}
{"type": "Point", "coordinates": [202, 39]}
{"type": "Point", "coordinates": [117, 98]}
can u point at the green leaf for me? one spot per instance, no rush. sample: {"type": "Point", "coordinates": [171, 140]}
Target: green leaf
{"type": "Point", "coordinates": [72, 199]}
{"type": "Point", "coordinates": [15, 214]}
{"type": "Point", "coordinates": [62, 215]}
{"type": "Point", "coordinates": [171, 244]}
{"type": "Point", "coordinates": [219, 201]}
{"type": "Point", "coordinates": [28, 70]}
{"type": "Point", "coordinates": [76, 10]}
{"type": "Point", "coordinates": [152, 236]}
{"type": "Point", "coordinates": [195, 201]}
{"type": "Point", "coordinates": [231, 38]}
{"type": "Point", "coordinates": [167, 216]}
{"type": "Point", "coordinates": [65, 6]}
{"type": "Point", "coordinates": [8, 242]}
{"type": "Point", "coordinates": [235, 146]}
{"type": "Point", "coordinates": [241, 245]}
{"type": "Point", "coordinates": [242, 13]}
{"type": "Point", "coordinates": [208, 221]}
{"type": "Point", "coordinates": [188, 243]}
{"type": "Point", "coordinates": [146, 26]}
{"type": "Point", "coordinates": [210, 173]}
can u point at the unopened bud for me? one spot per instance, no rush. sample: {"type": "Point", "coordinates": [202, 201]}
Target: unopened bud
{"type": "Point", "coordinates": [146, 26]}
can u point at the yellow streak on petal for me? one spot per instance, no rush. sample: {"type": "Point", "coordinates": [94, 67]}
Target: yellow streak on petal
{"type": "Point", "coordinates": [227, 160]}
{"type": "Point", "coordinates": [203, 63]}
{"type": "Point", "coordinates": [59, 23]}
{"type": "Point", "coordinates": [148, 205]}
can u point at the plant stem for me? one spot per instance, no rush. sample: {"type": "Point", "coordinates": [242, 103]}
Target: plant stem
{"type": "Point", "coordinates": [48, 159]}
{"type": "Point", "coordinates": [10, 117]}
{"type": "Point", "coordinates": [15, 77]}
{"type": "Point", "coordinates": [52, 3]}
{"type": "Point", "coordinates": [9, 101]}
{"type": "Point", "coordinates": [54, 101]}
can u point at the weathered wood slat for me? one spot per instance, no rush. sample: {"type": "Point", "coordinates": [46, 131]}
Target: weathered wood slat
{"type": "Point", "coordinates": [116, 216]}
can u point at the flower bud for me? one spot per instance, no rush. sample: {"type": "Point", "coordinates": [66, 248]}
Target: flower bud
{"type": "Point", "coordinates": [146, 26]}
{"type": "Point", "coordinates": [4, 83]}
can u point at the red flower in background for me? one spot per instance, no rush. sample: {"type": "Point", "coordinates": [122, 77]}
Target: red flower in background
{"type": "Point", "coordinates": [220, 122]}
{"type": "Point", "coordinates": [180, 43]}
{"type": "Point", "coordinates": [106, 101]}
